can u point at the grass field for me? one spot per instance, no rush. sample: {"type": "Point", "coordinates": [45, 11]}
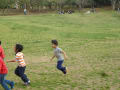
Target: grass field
{"type": "Point", "coordinates": [92, 43]}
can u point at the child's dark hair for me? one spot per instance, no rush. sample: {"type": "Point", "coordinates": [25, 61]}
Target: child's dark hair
{"type": "Point", "coordinates": [0, 42]}
{"type": "Point", "coordinates": [54, 42]}
{"type": "Point", "coordinates": [19, 47]}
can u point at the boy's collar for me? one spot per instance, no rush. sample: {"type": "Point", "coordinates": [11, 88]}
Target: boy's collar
{"type": "Point", "coordinates": [56, 47]}
{"type": "Point", "coordinates": [18, 52]}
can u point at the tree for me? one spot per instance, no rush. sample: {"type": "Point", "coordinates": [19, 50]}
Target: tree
{"type": "Point", "coordinates": [92, 4]}
{"type": "Point", "coordinates": [61, 4]}
{"type": "Point", "coordinates": [113, 3]}
{"type": "Point", "coordinates": [119, 4]}
{"type": "Point", "coordinates": [80, 4]}
{"type": "Point", "coordinates": [3, 5]}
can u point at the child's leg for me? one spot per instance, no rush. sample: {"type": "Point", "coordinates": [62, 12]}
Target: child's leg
{"type": "Point", "coordinates": [11, 83]}
{"type": "Point", "coordinates": [60, 67]}
{"type": "Point", "coordinates": [17, 71]}
{"type": "Point", "coordinates": [22, 75]}
{"type": "Point", "coordinates": [2, 82]}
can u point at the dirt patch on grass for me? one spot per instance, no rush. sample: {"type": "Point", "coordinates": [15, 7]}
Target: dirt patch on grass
{"type": "Point", "coordinates": [37, 59]}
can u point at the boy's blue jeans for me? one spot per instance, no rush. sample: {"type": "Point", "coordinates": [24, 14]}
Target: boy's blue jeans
{"type": "Point", "coordinates": [20, 72]}
{"type": "Point", "coordinates": [60, 67]}
{"type": "Point", "coordinates": [4, 82]}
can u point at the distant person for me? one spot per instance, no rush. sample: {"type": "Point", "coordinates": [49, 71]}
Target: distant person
{"type": "Point", "coordinates": [118, 9]}
{"type": "Point", "coordinates": [58, 53]}
{"type": "Point", "coordinates": [88, 12]}
{"type": "Point", "coordinates": [3, 73]}
{"type": "Point", "coordinates": [25, 11]}
{"type": "Point", "coordinates": [20, 70]}
{"type": "Point", "coordinates": [2, 55]}
{"type": "Point", "coordinates": [70, 11]}
{"type": "Point", "coordinates": [61, 12]}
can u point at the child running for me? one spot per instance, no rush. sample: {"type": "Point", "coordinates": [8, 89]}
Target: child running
{"type": "Point", "coordinates": [58, 53]}
{"type": "Point", "coordinates": [20, 70]}
{"type": "Point", "coordinates": [2, 55]}
{"type": "Point", "coordinates": [3, 73]}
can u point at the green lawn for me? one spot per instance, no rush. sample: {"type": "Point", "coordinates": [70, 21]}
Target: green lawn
{"type": "Point", "coordinates": [92, 43]}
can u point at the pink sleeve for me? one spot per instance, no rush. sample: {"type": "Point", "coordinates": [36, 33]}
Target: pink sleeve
{"type": "Point", "coordinates": [2, 55]}
{"type": "Point", "coordinates": [0, 64]}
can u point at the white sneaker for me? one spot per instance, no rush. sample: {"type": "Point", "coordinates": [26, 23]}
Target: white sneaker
{"type": "Point", "coordinates": [27, 83]}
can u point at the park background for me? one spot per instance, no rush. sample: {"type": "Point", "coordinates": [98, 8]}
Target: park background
{"type": "Point", "coordinates": [12, 7]}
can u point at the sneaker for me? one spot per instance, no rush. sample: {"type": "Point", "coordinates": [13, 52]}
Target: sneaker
{"type": "Point", "coordinates": [65, 72]}
{"type": "Point", "coordinates": [27, 83]}
{"type": "Point", "coordinates": [12, 85]}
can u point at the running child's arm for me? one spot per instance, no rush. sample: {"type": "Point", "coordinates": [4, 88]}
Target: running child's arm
{"type": "Point", "coordinates": [64, 53]}
{"type": "Point", "coordinates": [11, 60]}
{"type": "Point", "coordinates": [52, 58]}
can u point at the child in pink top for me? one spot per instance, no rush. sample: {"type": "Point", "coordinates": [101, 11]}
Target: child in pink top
{"type": "Point", "coordinates": [2, 55]}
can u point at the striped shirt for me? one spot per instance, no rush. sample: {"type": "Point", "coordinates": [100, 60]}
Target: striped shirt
{"type": "Point", "coordinates": [20, 59]}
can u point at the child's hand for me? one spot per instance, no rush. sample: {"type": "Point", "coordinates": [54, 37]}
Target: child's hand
{"type": "Point", "coordinates": [52, 58]}
{"type": "Point", "coordinates": [66, 57]}
{"type": "Point", "coordinates": [11, 60]}
{"type": "Point", "coordinates": [7, 61]}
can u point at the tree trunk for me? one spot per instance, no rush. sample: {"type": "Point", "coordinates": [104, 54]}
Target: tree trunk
{"type": "Point", "coordinates": [119, 3]}
{"type": "Point", "coordinates": [80, 7]}
{"type": "Point", "coordinates": [113, 4]}
{"type": "Point", "coordinates": [50, 7]}
{"type": "Point", "coordinates": [60, 7]}
{"type": "Point", "coordinates": [39, 8]}
{"type": "Point", "coordinates": [3, 12]}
